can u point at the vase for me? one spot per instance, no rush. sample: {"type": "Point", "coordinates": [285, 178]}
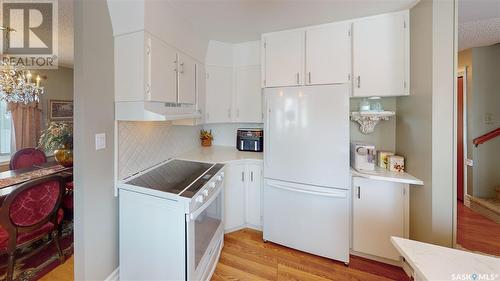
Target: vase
{"type": "Point", "coordinates": [64, 156]}
{"type": "Point", "coordinates": [206, 142]}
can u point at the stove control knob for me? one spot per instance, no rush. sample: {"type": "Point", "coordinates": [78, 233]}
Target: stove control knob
{"type": "Point", "coordinates": [199, 198]}
{"type": "Point", "coordinates": [211, 185]}
{"type": "Point", "coordinates": [219, 178]}
{"type": "Point", "coordinates": [205, 192]}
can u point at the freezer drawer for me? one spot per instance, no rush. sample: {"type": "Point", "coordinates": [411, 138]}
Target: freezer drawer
{"type": "Point", "coordinates": [307, 218]}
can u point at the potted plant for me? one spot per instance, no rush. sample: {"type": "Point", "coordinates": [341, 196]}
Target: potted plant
{"type": "Point", "coordinates": [58, 137]}
{"type": "Point", "coordinates": [206, 137]}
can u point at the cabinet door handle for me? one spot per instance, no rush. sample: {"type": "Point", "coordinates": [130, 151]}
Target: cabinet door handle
{"type": "Point", "coordinates": [309, 77]}
{"type": "Point", "coordinates": [229, 113]}
{"type": "Point", "coordinates": [182, 67]}
{"type": "Point", "coordinates": [359, 81]}
{"type": "Point", "coordinates": [359, 192]}
{"type": "Point", "coordinates": [251, 176]}
{"type": "Point", "coordinates": [298, 78]}
{"type": "Point", "coordinates": [243, 176]}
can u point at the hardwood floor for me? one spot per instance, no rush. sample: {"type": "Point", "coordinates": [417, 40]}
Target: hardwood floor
{"type": "Point", "coordinates": [64, 272]}
{"type": "Point", "coordinates": [246, 257]}
{"type": "Point", "coordinates": [477, 233]}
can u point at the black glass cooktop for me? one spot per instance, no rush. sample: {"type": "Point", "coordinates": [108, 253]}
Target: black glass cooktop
{"type": "Point", "coordinates": [191, 191]}
{"type": "Point", "coordinates": [173, 176]}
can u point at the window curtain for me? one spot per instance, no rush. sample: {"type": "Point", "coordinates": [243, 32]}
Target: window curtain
{"type": "Point", "coordinates": [26, 124]}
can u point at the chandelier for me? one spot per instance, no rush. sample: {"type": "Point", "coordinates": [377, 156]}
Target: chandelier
{"type": "Point", "coordinates": [17, 85]}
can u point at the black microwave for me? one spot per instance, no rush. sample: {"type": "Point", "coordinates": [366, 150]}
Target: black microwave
{"type": "Point", "coordinates": [250, 140]}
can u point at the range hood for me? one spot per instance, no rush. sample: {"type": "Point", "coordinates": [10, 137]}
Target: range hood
{"type": "Point", "coordinates": [154, 111]}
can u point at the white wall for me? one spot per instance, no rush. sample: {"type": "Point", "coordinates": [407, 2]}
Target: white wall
{"type": "Point", "coordinates": [161, 19]}
{"type": "Point", "coordinates": [384, 136]}
{"type": "Point", "coordinates": [425, 121]}
{"type": "Point", "coordinates": [96, 208]}
{"type": "Point", "coordinates": [485, 99]}
{"type": "Point", "coordinates": [57, 86]}
{"type": "Point", "coordinates": [443, 110]}
{"type": "Point", "coordinates": [225, 134]}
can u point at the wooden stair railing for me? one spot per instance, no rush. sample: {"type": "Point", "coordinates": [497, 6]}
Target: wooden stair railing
{"type": "Point", "coordinates": [486, 137]}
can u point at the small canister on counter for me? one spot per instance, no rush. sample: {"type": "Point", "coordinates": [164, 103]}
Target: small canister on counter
{"type": "Point", "coordinates": [396, 163]}
{"type": "Point", "coordinates": [382, 158]}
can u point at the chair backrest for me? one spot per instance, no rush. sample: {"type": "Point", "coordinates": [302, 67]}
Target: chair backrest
{"type": "Point", "coordinates": [31, 205]}
{"type": "Point", "coordinates": [27, 157]}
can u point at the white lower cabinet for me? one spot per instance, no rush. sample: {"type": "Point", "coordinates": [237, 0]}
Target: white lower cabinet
{"type": "Point", "coordinates": [243, 193]}
{"type": "Point", "coordinates": [234, 196]}
{"type": "Point", "coordinates": [379, 211]}
{"type": "Point", "coordinates": [253, 195]}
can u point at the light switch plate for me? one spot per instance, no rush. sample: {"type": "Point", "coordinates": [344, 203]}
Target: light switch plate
{"type": "Point", "coordinates": [488, 118]}
{"type": "Point", "coordinates": [100, 141]}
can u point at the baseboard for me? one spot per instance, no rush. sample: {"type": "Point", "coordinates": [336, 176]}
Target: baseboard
{"type": "Point", "coordinates": [375, 258]}
{"type": "Point", "coordinates": [467, 200]}
{"type": "Point", "coordinates": [114, 276]}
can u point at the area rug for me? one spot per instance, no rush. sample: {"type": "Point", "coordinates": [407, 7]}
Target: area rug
{"type": "Point", "coordinates": [36, 266]}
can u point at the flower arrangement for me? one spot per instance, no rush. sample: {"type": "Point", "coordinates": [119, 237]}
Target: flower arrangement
{"type": "Point", "coordinates": [57, 136]}
{"type": "Point", "coordinates": [206, 137]}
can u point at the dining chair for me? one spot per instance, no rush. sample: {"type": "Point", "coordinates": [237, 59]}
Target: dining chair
{"type": "Point", "coordinates": [67, 200]}
{"type": "Point", "coordinates": [27, 157]}
{"type": "Point", "coordinates": [29, 213]}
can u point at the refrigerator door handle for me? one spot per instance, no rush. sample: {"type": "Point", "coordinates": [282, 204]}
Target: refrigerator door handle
{"type": "Point", "coordinates": [334, 193]}
{"type": "Point", "coordinates": [267, 146]}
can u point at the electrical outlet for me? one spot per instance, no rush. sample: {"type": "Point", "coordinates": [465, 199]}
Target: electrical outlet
{"type": "Point", "coordinates": [100, 141]}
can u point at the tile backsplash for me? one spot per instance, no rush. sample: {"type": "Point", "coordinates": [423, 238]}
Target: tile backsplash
{"type": "Point", "coordinates": [144, 144]}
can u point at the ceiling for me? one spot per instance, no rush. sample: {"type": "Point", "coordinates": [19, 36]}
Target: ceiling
{"type": "Point", "coordinates": [236, 21]}
{"type": "Point", "coordinates": [478, 23]}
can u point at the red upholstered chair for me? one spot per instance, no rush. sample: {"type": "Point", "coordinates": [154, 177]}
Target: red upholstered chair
{"type": "Point", "coordinates": [26, 158]}
{"type": "Point", "coordinates": [29, 213]}
{"type": "Point", "coordinates": [67, 201]}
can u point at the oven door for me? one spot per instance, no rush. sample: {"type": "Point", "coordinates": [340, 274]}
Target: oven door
{"type": "Point", "coordinates": [204, 236]}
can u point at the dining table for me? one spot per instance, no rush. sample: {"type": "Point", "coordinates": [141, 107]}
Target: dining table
{"type": "Point", "coordinates": [10, 179]}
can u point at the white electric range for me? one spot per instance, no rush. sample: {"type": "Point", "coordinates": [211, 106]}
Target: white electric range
{"type": "Point", "coordinates": [171, 221]}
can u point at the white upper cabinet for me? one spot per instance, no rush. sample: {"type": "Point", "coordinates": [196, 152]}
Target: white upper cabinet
{"type": "Point", "coordinates": [219, 94]}
{"type": "Point", "coordinates": [328, 54]}
{"type": "Point", "coordinates": [201, 86]}
{"type": "Point", "coordinates": [161, 71]}
{"type": "Point", "coordinates": [233, 83]}
{"type": "Point", "coordinates": [372, 53]}
{"type": "Point", "coordinates": [248, 96]}
{"type": "Point", "coordinates": [381, 55]}
{"type": "Point", "coordinates": [152, 79]}
{"type": "Point", "coordinates": [284, 58]}
{"type": "Point", "coordinates": [187, 79]}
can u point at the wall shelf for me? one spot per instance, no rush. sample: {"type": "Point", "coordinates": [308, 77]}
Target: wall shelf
{"type": "Point", "coordinates": [369, 119]}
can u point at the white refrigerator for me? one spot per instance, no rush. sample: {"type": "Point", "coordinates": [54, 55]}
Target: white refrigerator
{"type": "Point", "coordinates": [306, 169]}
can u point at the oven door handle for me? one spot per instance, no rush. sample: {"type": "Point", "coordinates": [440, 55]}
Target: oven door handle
{"type": "Point", "coordinates": [202, 208]}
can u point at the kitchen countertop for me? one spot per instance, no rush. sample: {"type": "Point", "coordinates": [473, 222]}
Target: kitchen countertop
{"type": "Point", "coordinates": [219, 154]}
{"type": "Point", "coordinates": [386, 175]}
{"type": "Point", "coordinates": [431, 262]}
